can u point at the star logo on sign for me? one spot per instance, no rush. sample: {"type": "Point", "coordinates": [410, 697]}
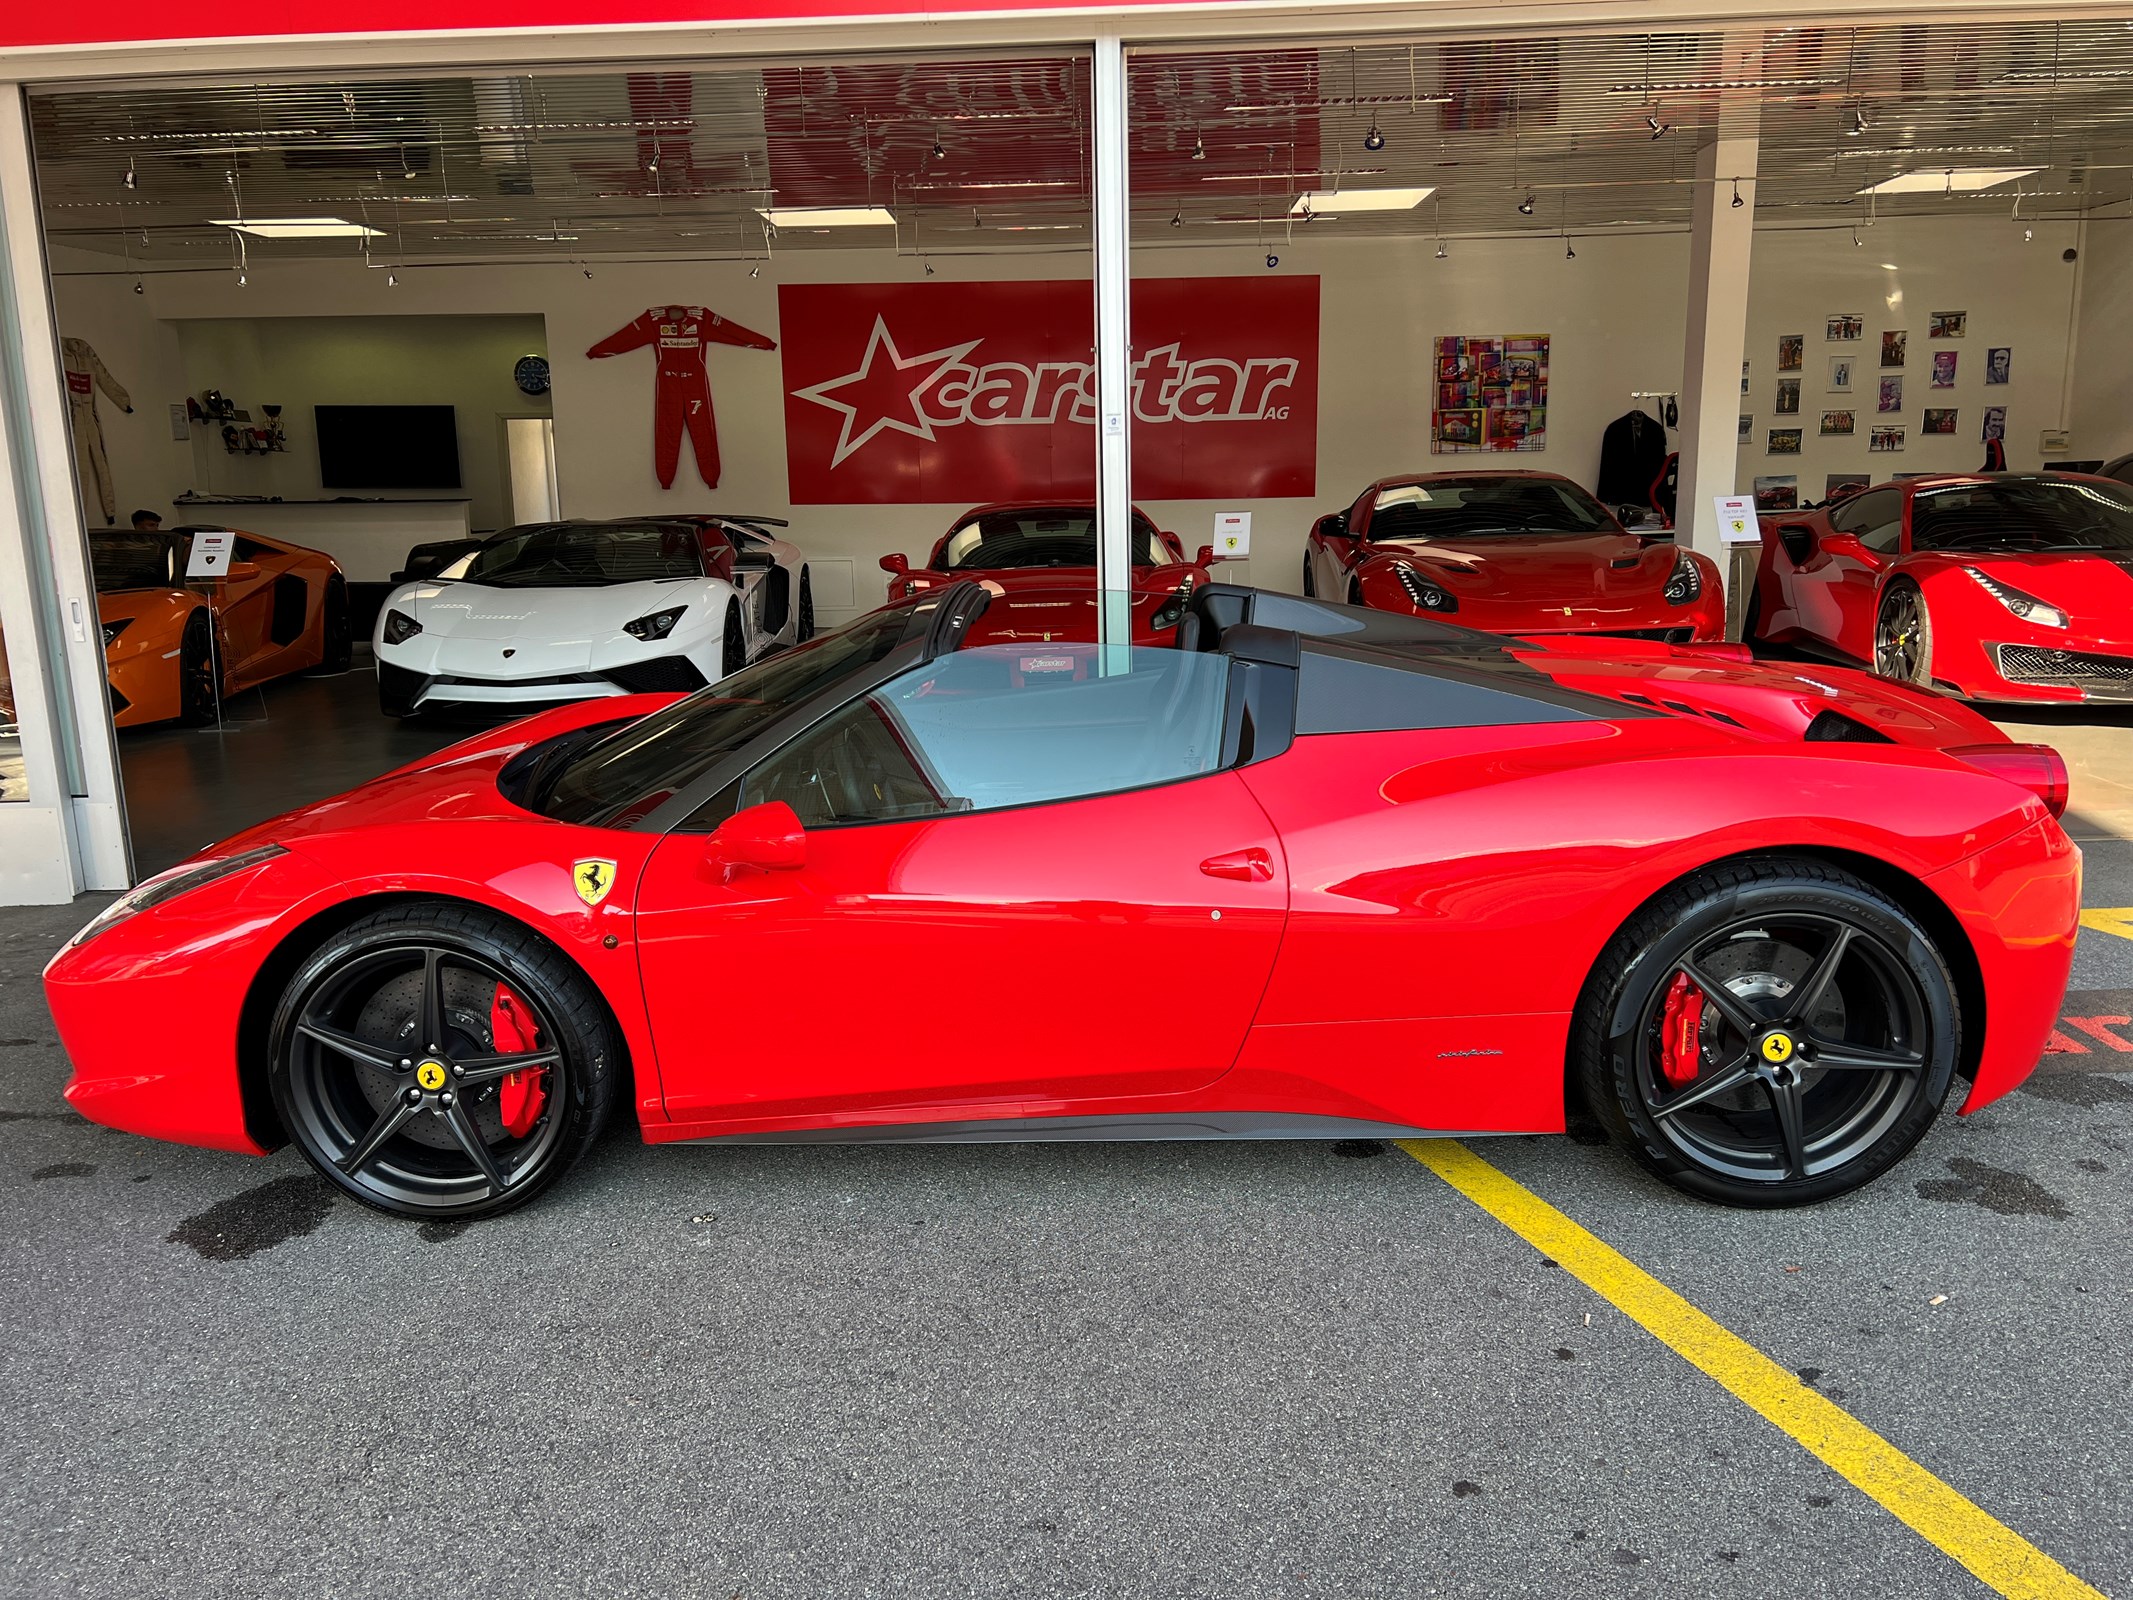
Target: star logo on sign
{"type": "Point", "coordinates": [882, 393]}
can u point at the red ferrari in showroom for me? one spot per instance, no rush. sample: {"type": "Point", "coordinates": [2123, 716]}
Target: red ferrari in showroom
{"type": "Point", "coordinates": [1313, 872]}
{"type": "Point", "coordinates": [1026, 545]}
{"type": "Point", "coordinates": [1510, 552]}
{"type": "Point", "coordinates": [2008, 587]}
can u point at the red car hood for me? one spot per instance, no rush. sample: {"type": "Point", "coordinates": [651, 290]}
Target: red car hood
{"type": "Point", "coordinates": [1543, 569]}
{"type": "Point", "coordinates": [1152, 580]}
{"type": "Point", "coordinates": [2093, 588]}
{"type": "Point", "coordinates": [1775, 700]}
{"type": "Point", "coordinates": [1047, 614]}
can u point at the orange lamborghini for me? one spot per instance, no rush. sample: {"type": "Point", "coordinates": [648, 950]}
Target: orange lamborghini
{"type": "Point", "coordinates": [281, 609]}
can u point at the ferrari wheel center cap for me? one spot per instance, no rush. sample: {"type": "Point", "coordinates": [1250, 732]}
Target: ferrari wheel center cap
{"type": "Point", "coordinates": [1778, 1047]}
{"type": "Point", "coordinates": [431, 1074]}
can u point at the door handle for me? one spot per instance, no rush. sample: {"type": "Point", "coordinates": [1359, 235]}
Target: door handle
{"type": "Point", "coordinates": [1246, 866]}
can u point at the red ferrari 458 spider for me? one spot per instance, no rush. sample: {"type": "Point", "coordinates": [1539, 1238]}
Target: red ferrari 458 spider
{"type": "Point", "coordinates": [1510, 552]}
{"type": "Point", "coordinates": [2008, 587]}
{"type": "Point", "coordinates": [1314, 872]}
{"type": "Point", "coordinates": [1023, 545]}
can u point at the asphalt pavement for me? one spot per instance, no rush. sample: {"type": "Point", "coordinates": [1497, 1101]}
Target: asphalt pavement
{"type": "Point", "coordinates": [1117, 1370]}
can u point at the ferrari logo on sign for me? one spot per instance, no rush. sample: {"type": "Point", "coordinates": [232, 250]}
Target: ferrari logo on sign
{"type": "Point", "coordinates": [593, 879]}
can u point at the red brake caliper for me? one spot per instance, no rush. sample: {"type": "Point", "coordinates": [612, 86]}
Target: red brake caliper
{"type": "Point", "coordinates": [520, 1095]}
{"type": "Point", "coordinates": [1680, 1054]}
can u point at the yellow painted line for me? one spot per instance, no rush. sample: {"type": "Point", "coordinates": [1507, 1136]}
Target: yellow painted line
{"type": "Point", "coordinates": [2110, 919]}
{"type": "Point", "coordinates": [1994, 1552]}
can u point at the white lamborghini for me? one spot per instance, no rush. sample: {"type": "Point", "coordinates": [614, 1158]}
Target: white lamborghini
{"type": "Point", "coordinates": [558, 611]}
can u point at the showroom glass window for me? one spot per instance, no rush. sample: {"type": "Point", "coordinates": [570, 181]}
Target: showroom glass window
{"type": "Point", "coordinates": [14, 774]}
{"type": "Point", "coordinates": [1875, 518]}
{"type": "Point", "coordinates": [1478, 507]}
{"type": "Point", "coordinates": [2023, 514]}
{"type": "Point", "coordinates": [997, 726]}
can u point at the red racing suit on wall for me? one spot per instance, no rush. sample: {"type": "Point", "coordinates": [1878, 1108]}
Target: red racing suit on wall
{"type": "Point", "coordinates": [86, 374]}
{"type": "Point", "coordinates": [682, 398]}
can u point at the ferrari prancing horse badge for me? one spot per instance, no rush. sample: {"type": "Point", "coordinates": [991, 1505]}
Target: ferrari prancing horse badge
{"type": "Point", "coordinates": [592, 880]}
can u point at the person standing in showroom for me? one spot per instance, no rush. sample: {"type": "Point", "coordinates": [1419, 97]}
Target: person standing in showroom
{"type": "Point", "coordinates": [147, 522]}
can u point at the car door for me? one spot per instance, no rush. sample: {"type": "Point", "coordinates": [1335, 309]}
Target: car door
{"type": "Point", "coordinates": [1834, 574]}
{"type": "Point", "coordinates": [263, 609]}
{"type": "Point", "coordinates": [1027, 889]}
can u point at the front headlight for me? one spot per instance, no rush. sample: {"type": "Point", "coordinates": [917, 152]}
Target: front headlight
{"type": "Point", "coordinates": [400, 627]}
{"type": "Point", "coordinates": [1423, 592]}
{"type": "Point", "coordinates": [1686, 582]}
{"type": "Point", "coordinates": [2026, 606]}
{"type": "Point", "coordinates": [1172, 611]}
{"type": "Point", "coordinates": [113, 629]}
{"type": "Point", "coordinates": [656, 626]}
{"type": "Point", "coordinates": [169, 885]}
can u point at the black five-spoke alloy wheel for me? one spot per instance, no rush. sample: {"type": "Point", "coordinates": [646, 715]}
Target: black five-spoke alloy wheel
{"type": "Point", "coordinates": [1769, 1033]}
{"type": "Point", "coordinates": [437, 1060]}
{"type": "Point", "coordinates": [1903, 636]}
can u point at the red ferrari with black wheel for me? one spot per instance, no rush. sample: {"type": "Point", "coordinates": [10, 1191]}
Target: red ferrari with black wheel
{"type": "Point", "coordinates": [1511, 552]}
{"type": "Point", "coordinates": [2008, 587]}
{"type": "Point", "coordinates": [1764, 959]}
{"type": "Point", "coordinates": [1019, 546]}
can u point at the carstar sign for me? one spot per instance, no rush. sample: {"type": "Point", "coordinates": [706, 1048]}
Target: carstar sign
{"type": "Point", "coordinates": [931, 393]}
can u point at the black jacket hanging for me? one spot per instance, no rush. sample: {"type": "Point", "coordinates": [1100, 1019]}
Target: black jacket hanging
{"type": "Point", "coordinates": [1632, 450]}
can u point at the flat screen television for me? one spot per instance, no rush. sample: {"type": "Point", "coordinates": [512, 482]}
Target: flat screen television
{"type": "Point", "coordinates": [387, 447]}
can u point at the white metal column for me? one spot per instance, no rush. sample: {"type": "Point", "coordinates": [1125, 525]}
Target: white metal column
{"type": "Point", "coordinates": [1721, 237]}
{"type": "Point", "coordinates": [1114, 356]}
{"type": "Point", "coordinates": [71, 835]}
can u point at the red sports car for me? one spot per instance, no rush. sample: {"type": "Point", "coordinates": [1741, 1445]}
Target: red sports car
{"type": "Point", "coordinates": [1510, 552]}
{"type": "Point", "coordinates": [1387, 877]}
{"type": "Point", "coordinates": [2014, 586]}
{"type": "Point", "coordinates": [1020, 545]}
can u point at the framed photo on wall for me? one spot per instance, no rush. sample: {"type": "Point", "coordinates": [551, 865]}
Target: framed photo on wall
{"type": "Point", "coordinates": [1944, 368]}
{"type": "Point", "coordinates": [1893, 343]}
{"type": "Point", "coordinates": [1785, 441]}
{"type": "Point", "coordinates": [1999, 363]}
{"type": "Point", "coordinates": [1947, 324]}
{"type": "Point", "coordinates": [1938, 421]}
{"type": "Point", "coordinates": [1995, 423]}
{"type": "Point", "coordinates": [1884, 441]}
{"type": "Point", "coordinates": [1788, 398]}
{"type": "Point", "coordinates": [1777, 493]}
{"type": "Point", "coordinates": [1844, 328]}
{"type": "Point", "coordinates": [1792, 351]}
{"type": "Point", "coordinates": [1840, 374]}
{"type": "Point", "coordinates": [1837, 424]}
{"type": "Point", "coordinates": [1891, 395]}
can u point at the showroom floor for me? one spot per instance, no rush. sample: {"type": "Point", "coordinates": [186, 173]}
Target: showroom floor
{"type": "Point", "coordinates": [1237, 1370]}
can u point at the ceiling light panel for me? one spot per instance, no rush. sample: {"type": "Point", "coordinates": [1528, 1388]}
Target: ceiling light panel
{"type": "Point", "coordinates": [1950, 180]}
{"type": "Point", "coordinates": [297, 227]}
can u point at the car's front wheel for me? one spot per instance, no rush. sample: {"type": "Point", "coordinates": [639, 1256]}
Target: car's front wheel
{"type": "Point", "coordinates": [1768, 1032]}
{"type": "Point", "coordinates": [1310, 588]}
{"type": "Point", "coordinates": [804, 629]}
{"type": "Point", "coordinates": [1903, 636]}
{"type": "Point", "coordinates": [196, 671]}
{"type": "Point", "coordinates": [433, 1060]}
{"type": "Point", "coordinates": [733, 645]}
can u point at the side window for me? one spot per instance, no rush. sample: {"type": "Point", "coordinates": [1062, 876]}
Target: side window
{"type": "Point", "coordinates": [1876, 518]}
{"type": "Point", "coordinates": [1002, 725]}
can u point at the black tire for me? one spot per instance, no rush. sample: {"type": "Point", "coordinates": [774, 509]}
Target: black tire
{"type": "Point", "coordinates": [1865, 1070]}
{"type": "Point", "coordinates": [196, 672]}
{"type": "Point", "coordinates": [1903, 636]}
{"type": "Point", "coordinates": [396, 1125]}
{"type": "Point", "coordinates": [804, 629]}
{"type": "Point", "coordinates": [733, 647]}
{"type": "Point", "coordinates": [337, 647]}
{"type": "Point", "coordinates": [1751, 614]}
{"type": "Point", "coordinates": [1355, 592]}
{"type": "Point", "coordinates": [1310, 588]}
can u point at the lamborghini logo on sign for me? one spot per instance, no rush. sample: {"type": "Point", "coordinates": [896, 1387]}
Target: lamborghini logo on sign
{"type": "Point", "coordinates": [593, 879]}
{"type": "Point", "coordinates": [1777, 1048]}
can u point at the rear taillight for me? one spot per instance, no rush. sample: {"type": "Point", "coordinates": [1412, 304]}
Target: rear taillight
{"type": "Point", "coordinates": [2035, 767]}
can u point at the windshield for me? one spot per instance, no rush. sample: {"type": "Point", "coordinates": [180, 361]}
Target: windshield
{"type": "Point", "coordinates": [2023, 514]}
{"type": "Point", "coordinates": [1465, 508]}
{"type": "Point", "coordinates": [1048, 536]}
{"type": "Point", "coordinates": [575, 555]}
{"type": "Point", "coordinates": [136, 560]}
{"type": "Point", "coordinates": [627, 775]}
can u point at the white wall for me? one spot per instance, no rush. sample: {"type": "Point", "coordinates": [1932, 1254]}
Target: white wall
{"type": "Point", "coordinates": [1615, 316]}
{"type": "Point", "coordinates": [2017, 294]}
{"type": "Point", "coordinates": [148, 466]}
{"type": "Point", "coordinates": [2101, 414]}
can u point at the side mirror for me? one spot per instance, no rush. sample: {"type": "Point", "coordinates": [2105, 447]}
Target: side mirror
{"type": "Point", "coordinates": [1172, 543]}
{"type": "Point", "coordinates": [1333, 525]}
{"type": "Point", "coordinates": [242, 571]}
{"type": "Point", "coordinates": [896, 564]}
{"type": "Point", "coordinates": [767, 838]}
{"type": "Point", "coordinates": [1206, 557]}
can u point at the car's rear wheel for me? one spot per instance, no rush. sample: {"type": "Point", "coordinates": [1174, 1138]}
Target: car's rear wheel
{"type": "Point", "coordinates": [1310, 588]}
{"type": "Point", "coordinates": [733, 647]}
{"type": "Point", "coordinates": [336, 646]}
{"type": "Point", "coordinates": [804, 629]}
{"type": "Point", "coordinates": [196, 671]}
{"type": "Point", "coordinates": [432, 1060]}
{"type": "Point", "coordinates": [1769, 1033]}
{"type": "Point", "coordinates": [1903, 636]}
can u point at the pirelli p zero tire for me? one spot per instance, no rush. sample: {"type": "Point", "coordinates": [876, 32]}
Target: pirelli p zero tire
{"type": "Point", "coordinates": [336, 646]}
{"type": "Point", "coordinates": [1903, 636]}
{"type": "Point", "coordinates": [438, 1060]}
{"type": "Point", "coordinates": [1768, 1032]}
{"type": "Point", "coordinates": [196, 672]}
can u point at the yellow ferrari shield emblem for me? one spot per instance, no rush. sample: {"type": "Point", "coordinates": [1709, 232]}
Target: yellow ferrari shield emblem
{"type": "Point", "coordinates": [592, 879]}
{"type": "Point", "coordinates": [430, 1075]}
{"type": "Point", "coordinates": [1777, 1048]}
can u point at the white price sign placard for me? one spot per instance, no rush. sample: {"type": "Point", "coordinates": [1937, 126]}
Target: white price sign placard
{"type": "Point", "coordinates": [1736, 519]}
{"type": "Point", "coordinates": [211, 555]}
{"type": "Point", "coordinates": [1233, 534]}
